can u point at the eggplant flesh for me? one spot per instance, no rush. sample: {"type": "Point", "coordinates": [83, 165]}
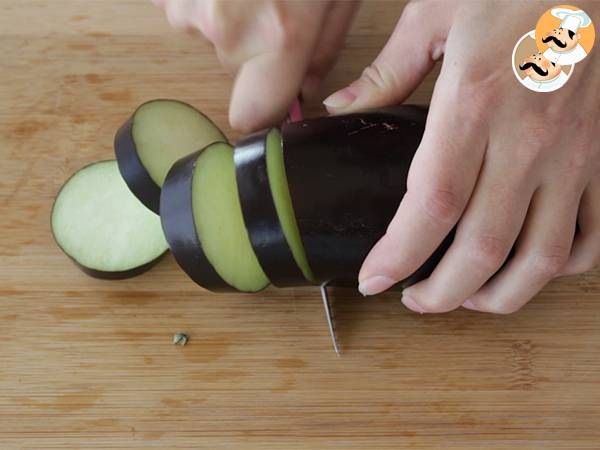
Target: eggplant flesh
{"type": "Point", "coordinates": [178, 223]}
{"type": "Point", "coordinates": [103, 227]}
{"type": "Point", "coordinates": [347, 175]}
{"type": "Point", "coordinates": [202, 219]}
{"type": "Point", "coordinates": [267, 209]}
{"type": "Point", "coordinates": [159, 133]}
{"type": "Point", "coordinates": [283, 201]}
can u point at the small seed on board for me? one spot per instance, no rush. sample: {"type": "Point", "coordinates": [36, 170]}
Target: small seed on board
{"type": "Point", "coordinates": [180, 339]}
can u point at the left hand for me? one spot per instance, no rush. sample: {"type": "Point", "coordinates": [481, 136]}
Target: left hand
{"type": "Point", "coordinates": [510, 168]}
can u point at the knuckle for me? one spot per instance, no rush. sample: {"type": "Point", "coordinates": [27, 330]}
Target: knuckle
{"type": "Point", "coordinates": [550, 263]}
{"type": "Point", "coordinates": [539, 136]}
{"type": "Point", "coordinates": [411, 12]}
{"type": "Point", "coordinates": [287, 30]}
{"type": "Point", "coordinates": [488, 252]}
{"type": "Point", "coordinates": [443, 206]}
{"type": "Point", "coordinates": [379, 75]}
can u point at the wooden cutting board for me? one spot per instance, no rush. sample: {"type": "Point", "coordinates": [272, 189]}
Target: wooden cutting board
{"type": "Point", "coordinates": [90, 364]}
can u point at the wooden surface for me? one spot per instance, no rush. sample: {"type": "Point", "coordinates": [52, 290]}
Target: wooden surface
{"type": "Point", "coordinates": [90, 364]}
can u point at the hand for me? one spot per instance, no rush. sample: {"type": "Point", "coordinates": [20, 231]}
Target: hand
{"type": "Point", "coordinates": [277, 49]}
{"type": "Point", "coordinates": [510, 168]}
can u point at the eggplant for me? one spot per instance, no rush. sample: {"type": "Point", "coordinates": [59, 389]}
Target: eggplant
{"type": "Point", "coordinates": [267, 209]}
{"type": "Point", "coordinates": [157, 134]}
{"type": "Point", "coordinates": [103, 227]}
{"type": "Point", "coordinates": [203, 223]}
{"type": "Point", "coordinates": [347, 175]}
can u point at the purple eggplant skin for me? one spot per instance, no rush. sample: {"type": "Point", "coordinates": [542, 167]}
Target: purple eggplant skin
{"type": "Point", "coordinates": [177, 219]}
{"type": "Point", "coordinates": [132, 170]}
{"type": "Point", "coordinates": [260, 215]}
{"type": "Point", "coordinates": [122, 275]}
{"type": "Point", "coordinates": [347, 175]}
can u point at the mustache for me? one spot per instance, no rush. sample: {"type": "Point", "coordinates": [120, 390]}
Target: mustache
{"type": "Point", "coordinates": [556, 41]}
{"type": "Point", "coordinates": [541, 72]}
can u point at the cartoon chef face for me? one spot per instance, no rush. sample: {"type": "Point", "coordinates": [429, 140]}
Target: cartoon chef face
{"type": "Point", "coordinates": [561, 39]}
{"type": "Point", "coordinates": [538, 68]}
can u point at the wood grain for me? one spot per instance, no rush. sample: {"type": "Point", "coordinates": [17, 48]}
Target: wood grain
{"type": "Point", "coordinates": [90, 364]}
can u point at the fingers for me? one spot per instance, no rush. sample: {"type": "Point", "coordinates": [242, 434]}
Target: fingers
{"type": "Point", "coordinates": [333, 33]}
{"type": "Point", "coordinates": [541, 252]}
{"type": "Point", "coordinates": [440, 182]}
{"type": "Point", "coordinates": [269, 80]}
{"type": "Point", "coordinates": [265, 87]}
{"type": "Point", "coordinates": [410, 53]}
{"type": "Point", "coordinates": [268, 45]}
{"type": "Point", "coordinates": [267, 84]}
{"type": "Point", "coordinates": [585, 254]}
{"type": "Point", "coordinates": [486, 233]}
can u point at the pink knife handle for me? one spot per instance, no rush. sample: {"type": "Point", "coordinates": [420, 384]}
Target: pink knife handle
{"type": "Point", "coordinates": [295, 112]}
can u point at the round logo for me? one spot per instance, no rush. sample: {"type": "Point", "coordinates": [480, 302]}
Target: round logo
{"type": "Point", "coordinates": [544, 59]}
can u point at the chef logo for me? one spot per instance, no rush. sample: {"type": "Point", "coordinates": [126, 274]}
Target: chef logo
{"type": "Point", "coordinates": [544, 59]}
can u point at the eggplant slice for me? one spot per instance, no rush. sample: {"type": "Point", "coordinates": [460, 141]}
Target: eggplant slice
{"type": "Point", "coordinates": [159, 133]}
{"type": "Point", "coordinates": [267, 209]}
{"type": "Point", "coordinates": [347, 175]}
{"type": "Point", "coordinates": [203, 222]}
{"type": "Point", "coordinates": [103, 227]}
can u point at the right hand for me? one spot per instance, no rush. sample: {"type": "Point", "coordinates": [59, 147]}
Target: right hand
{"type": "Point", "coordinates": [276, 49]}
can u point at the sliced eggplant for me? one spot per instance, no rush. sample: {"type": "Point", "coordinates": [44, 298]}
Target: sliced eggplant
{"type": "Point", "coordinates": [103, 227]}
{"type": "Point", "coordinates": [267, 209]}
{"type": "Point", "coordinates": [347, 175]}
{"type": "Point", "coordinates": [203, 222]}
{"type": "Point", "coordinates": [178, 223]}
{"type": "Point", "coordinates": [159, 133]}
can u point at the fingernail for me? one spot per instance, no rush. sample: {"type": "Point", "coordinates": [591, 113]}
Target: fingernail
{"type": "Point", "coordinates": [411, 304]}
{"type": "Point", "coordinates": [468, 304]}
{"type": "Point", "coordinates": [375, 285]}
{"type": "Point", "coordinates": [340, 99]}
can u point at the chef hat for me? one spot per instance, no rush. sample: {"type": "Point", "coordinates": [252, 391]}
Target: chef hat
{"type": "Point", "coordinates": [571, 20]}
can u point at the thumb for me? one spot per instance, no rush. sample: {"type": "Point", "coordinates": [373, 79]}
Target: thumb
{"type": "Point", "coordinates": [410, 53]}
